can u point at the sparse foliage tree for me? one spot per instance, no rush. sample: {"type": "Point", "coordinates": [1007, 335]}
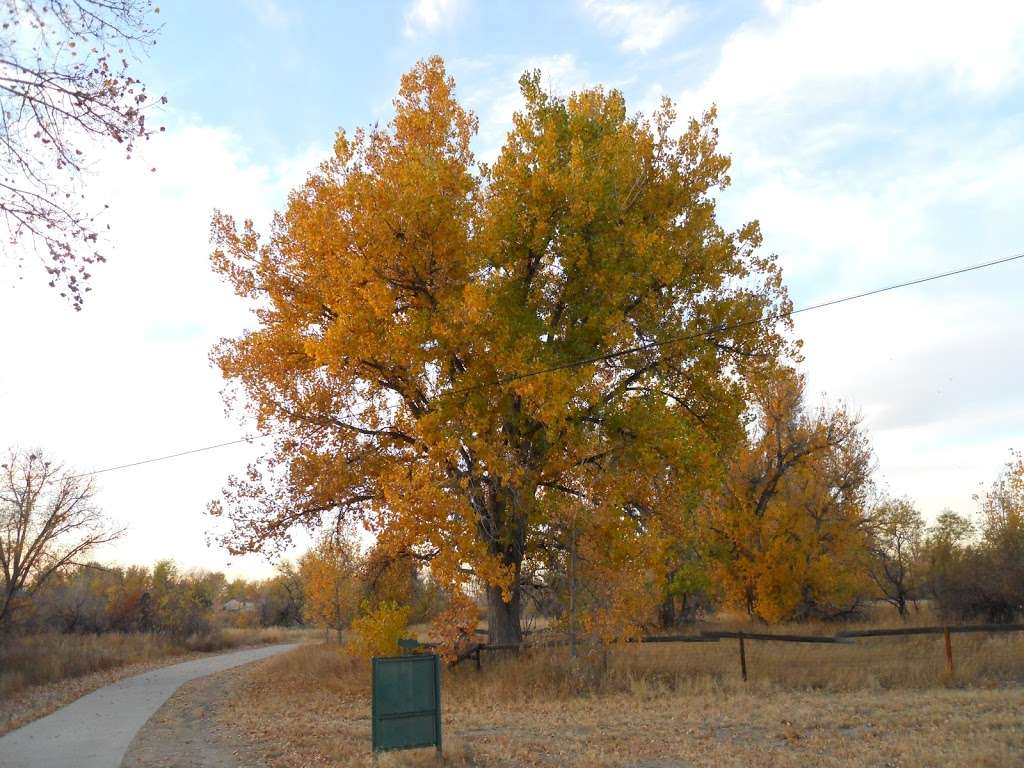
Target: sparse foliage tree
{"type": "Point", "coordinates": [332, 588]}
{"type": "Point", "coordinates": [946, 557]}
{"type": "Point", "coordinates": [76, 600]}
{"type": "Point", "coordinates": [896, 538]}
{"type": "Point", "coordinates": [48, 522]}
{"type": "Point", "coordinates": [978, 571]}
{"type": "Point", "coordinates": [281, 598]}
{"type": "Point", "coordinates": [180, 603]}
{"type": "Point", "coordinates": [65, 88]}
{"type": "Point", "coordinates": [1002, 536]}
{"type": "Point", "coordinates": [401, 580]}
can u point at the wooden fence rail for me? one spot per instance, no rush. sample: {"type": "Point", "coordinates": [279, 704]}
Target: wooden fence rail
{"type": "Point", "coordinates": [779, 638]}
{"type": "Point", "coordinates": [953, 628]}
{"type": "Point", "coordinates": [847, 637]}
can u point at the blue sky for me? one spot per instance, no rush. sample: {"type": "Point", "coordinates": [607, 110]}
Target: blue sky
{"type": "Point", "coordinates": [248, 63]}
{"type": "Point", "coordinates": [874, 141]}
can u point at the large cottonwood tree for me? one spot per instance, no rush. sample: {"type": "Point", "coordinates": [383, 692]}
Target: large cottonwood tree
{"type": "Point", "coordinates": [407, 289]}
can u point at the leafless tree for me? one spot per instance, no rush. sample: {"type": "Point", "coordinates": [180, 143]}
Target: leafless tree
{"type": "Point", "coordinates": [65, 87]}
{"type": "Point", "coordinates": [896, 537]}
{"type": "Point", "coordinates": [48, 521]}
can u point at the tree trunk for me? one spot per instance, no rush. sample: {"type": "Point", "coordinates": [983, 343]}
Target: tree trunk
{"type": "Point", "coordinates": [503, 619]}
{"type": "Point", "coordinates": [503, 527]}
{"type": "Point", "coordinates": [6, 610]}
{"type": "Point", "coordinates": [667, 612]}
{"type": "Point", "coordinates": [901, 605]}
{"type": "Point", "coordinates": [750, 601]}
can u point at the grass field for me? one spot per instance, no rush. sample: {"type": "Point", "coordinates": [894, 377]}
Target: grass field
{"type": "Point", "coordinates": [40, 673]}
{"type": "Point", "coordinates": [662, 706]}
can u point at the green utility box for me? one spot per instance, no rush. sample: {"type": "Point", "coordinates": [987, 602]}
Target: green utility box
{"type": "Point", "coordinates": [406, 702]}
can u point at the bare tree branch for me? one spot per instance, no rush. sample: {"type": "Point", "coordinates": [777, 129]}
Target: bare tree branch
{"type": "Point", "coordinates": [47, 522]}
{"type": "Point", "coordinates": [65, 85]}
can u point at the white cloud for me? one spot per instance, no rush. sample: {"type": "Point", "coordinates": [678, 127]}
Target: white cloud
{"type": "Point", "coordinates": [642, 25]}
{"type": "Point", "coordinates": [428, 16]}
{"type": "Point", "coordinates": [842, 121]}
{"type": "Point", "coordinates": [823, 45]}
{"type": "Point", "coordinates": [935, 372]}
{"type": "Point", "coordinates": [128, 377]}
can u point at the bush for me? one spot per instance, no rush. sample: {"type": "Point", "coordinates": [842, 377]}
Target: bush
{"type": "Point", "coordinates": [377, 632]}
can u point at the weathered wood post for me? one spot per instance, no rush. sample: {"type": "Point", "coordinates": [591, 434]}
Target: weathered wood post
{"type": "Point", "coordinates": [743, 658]}
{"type": "Point", "coordinates": [949, 650]}
{"type": "Point", "coordinates": [572, 589]}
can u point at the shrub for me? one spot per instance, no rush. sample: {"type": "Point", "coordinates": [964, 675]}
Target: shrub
{"type": "Point", "coordinates": [378, 631]}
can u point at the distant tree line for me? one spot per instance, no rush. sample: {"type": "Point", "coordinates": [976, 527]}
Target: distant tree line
{"type": "Point", "coordinates": [96, 598]}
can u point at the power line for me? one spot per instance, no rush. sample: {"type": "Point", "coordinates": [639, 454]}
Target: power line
{"type": "Point", "coordinates": [170, 456]}
{"type": "Point", "coordinates": [735, 326]}
{"type": "Point", "coordinates": [620, 353]}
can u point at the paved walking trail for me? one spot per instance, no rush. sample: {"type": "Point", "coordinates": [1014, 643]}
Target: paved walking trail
{"type": "Point", "coordinates": [95, 730]}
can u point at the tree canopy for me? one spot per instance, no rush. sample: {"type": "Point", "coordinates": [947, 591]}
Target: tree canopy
{"type": "Point", "coordinates": [469, 358]}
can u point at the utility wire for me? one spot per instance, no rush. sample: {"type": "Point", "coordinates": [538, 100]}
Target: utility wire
{"type": "Point", "coordinates": [735, 326]}
{"type": "Point", "coordinates": [170, 456]}
{"type": "Point", "coordinates": [620, 353]}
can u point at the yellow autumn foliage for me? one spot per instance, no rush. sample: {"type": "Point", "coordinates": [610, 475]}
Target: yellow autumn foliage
{"type": "Point", "coordinates": [788, 533]}
{"type": "Point", "coordinates": [408, 296]}
{"type": "Point", "coordinates": [332, 588]}
{"type": "Point", "coordinates": [377, 632]}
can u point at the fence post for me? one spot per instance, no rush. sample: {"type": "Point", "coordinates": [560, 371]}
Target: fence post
{"type": "Point", "coordinates": [572, 589]}
{"type": "Point", "coordinates": [743, 658]}
{"type": "Point", "coordinates": [949, 651]}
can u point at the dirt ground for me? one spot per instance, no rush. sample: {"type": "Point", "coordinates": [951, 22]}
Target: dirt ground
{"type": "Point", "coordinates": [186, 733]}
{"type": "Point", "coordinates": [313, 708]}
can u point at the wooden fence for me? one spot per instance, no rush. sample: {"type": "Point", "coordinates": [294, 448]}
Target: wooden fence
{"type": "Point", "coordinates": [475, 650]}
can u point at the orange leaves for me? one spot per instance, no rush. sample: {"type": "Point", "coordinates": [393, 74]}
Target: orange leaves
{"type": "Point", "coordinates": [456, 626]}
{"type": "Point", "coordinates": [331, 583]}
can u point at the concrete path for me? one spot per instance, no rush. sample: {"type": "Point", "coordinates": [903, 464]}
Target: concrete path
{"type": "Point", "coordinates": [95, 730]}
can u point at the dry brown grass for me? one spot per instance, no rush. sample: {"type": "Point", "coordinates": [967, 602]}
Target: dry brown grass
{"type": "Point", "coordinates": [890, 663]}
{"type": "Point", "coordinates": [663, 706]}
{"type": "Point", "coordinates": [47, 658]}
{"type": "Point", "coordinates": [41, 673]}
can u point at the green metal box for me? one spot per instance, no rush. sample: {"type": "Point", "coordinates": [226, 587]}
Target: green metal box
{"type": "Point", "coordinates": [406, 702]}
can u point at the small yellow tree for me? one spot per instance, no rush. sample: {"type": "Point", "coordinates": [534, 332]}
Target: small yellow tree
{"type": "Point", "coordinates": [377, 632]}
{"type": "Point", "coordinates": [789, 532]}
{"type": "Point", "coordinates": [331, 583]}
